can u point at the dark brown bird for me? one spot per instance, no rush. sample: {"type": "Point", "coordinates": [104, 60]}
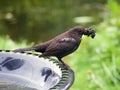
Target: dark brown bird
{"type": "Point", "coordinates": [62, 44]}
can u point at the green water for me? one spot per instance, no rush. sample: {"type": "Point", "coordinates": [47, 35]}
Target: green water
{"type": "Point", "coordinates": [39, 20]}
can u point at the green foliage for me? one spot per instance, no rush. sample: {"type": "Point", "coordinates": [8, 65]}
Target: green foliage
{"type": "Point", "coordinates": [96, 63]}
{"type": "Point", "coordinates": [8, 44]}
{"type": "Point", "coordinates": [113, 13]}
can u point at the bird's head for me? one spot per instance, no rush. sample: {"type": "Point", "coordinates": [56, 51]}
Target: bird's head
{"type": "Point", "coordinates": [80, 30]}
{"type": "Point", "coordinates": [77, 30]}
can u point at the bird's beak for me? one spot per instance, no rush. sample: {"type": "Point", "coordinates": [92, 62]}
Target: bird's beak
{"type": "Point", "coordinates": [93, 34]}
{"type": "Point", "coordinates": [89, 32]}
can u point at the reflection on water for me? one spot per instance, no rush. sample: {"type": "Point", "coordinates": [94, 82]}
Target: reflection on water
{"type": "Point", "coordinates": [46, 19]}
{"type": "Point", "coordinates": [22, 72]}
{"type": "Point", "coordinates": [6, 86]}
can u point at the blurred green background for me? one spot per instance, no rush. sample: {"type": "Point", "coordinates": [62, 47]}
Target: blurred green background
{"type": "Point", "coordinates": [97, 61]}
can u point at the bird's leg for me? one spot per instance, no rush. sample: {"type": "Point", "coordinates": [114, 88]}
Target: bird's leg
{"type": "Point", "coordinates": [65, 66]}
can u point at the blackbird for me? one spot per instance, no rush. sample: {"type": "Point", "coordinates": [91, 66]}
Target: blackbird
{"type": "Point", "coordinates": [62, 44]}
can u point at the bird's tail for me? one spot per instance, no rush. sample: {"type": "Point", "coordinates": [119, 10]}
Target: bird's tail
{"type": "Point", "coordinates": [23, 49]}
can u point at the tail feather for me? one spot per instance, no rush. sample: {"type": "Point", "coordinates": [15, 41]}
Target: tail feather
{"type": "Point", "coordinates": [23, 49]}
{"type": "Point", "coordinates": [38, 48]}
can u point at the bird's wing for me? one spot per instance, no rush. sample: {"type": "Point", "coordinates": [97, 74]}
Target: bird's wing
{"type": "Point", "coordinates": [42, 46]}
{"type": "Point", "coordinates": [64, 45]}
